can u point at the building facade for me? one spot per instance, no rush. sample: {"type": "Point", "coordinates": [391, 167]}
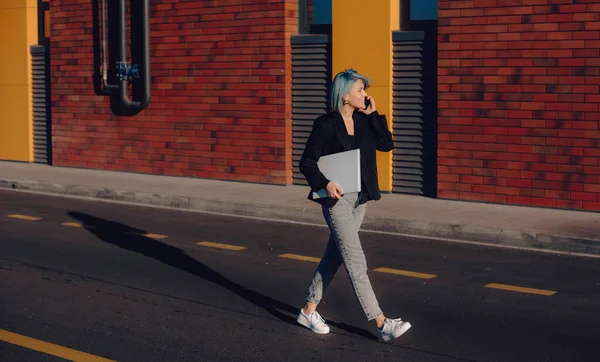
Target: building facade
{"type": "Point", "coordinates": [518, 110]}
{"type": "Point", "coordinates": [493, 101]}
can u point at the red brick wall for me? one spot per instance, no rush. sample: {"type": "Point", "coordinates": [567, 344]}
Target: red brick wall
{"type": "Point", "coordinates": [518, 102]}
{"type": "Point", "coordinates": [221, 104]}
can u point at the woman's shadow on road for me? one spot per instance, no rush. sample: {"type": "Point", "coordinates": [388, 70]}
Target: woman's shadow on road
{"type": "Point", "coordinates": [132, 239]}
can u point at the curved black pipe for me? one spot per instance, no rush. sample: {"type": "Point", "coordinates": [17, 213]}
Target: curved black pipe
{"type": "Point", "coordinates": [104, 75]}
{"type": "Point", "coordinates": [147, 79]}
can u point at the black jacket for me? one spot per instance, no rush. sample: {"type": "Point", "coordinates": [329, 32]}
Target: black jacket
{"type": "Point", "coordinates": [327, 137]}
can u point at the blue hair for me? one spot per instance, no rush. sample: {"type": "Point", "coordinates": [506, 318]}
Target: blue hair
{"type": "Point", "coordinates": [342, 85]}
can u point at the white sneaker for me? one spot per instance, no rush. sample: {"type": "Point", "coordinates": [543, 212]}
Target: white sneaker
{"type": "Point", "coordinates": [393, 328]}
{"type": "Point", "coordinates": [313, 321]}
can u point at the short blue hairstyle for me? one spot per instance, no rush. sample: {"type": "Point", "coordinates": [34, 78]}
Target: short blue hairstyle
{"type": "Point", "coordinates": [342, 85]}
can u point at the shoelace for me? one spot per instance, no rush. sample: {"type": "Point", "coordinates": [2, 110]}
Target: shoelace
{"type": "Point", "coordinates": [392, 323]}
{"type": "Point", "coordinates": [319, 318]}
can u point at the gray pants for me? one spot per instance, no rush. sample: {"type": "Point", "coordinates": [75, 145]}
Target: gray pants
{"type": "Point", "coordinates": [344, 220]}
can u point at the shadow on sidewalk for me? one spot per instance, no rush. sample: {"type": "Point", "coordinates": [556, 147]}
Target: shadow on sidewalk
{"type": "Point", "coordinates": [132, 239]}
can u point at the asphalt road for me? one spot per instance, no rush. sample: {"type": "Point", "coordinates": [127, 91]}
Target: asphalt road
{"type": "Point", "coordinates": [107, 290]}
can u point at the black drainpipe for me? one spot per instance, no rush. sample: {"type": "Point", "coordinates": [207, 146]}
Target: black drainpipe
{"type": "Point", "coordinates": [124, 81]}
{"type": "Point", "coordinates": [104, 61]}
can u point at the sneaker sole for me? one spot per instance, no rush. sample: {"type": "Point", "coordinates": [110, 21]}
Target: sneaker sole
{"type": "Point", "coordinates": [302, 323]}
{"type": "Point", "coordinates": [405, 327]}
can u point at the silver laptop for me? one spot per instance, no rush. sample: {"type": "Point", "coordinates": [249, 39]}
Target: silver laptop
{"type": "Point", "coordinates": [342, 168]}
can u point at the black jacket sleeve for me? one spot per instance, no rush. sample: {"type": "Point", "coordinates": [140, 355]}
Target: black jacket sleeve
{"type": "Point", "coordinates": [383, 136]}
{"type": "Point", "coordinates": [315, 145]}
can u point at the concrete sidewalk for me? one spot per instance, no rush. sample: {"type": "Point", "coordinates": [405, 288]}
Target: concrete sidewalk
{"type": "Point", "coordinates": [512, 226]}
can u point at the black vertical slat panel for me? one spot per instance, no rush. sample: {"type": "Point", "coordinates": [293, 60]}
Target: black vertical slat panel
{"type": "Point", "coordinates": [415, 113]}
{"type": "Point", "coordinates": [41, 106]}
{"type": "Point", "coordinates": [311, 77]}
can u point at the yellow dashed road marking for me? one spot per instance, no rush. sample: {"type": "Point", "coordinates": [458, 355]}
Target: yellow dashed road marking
{"type": "Point", "coordinates": [49, 348]}
{"type": "Point", "coordinates": [24, 217]}
{"type": "Point", "coordinates": [406, 273]}
{"type": "Point", "coordinates": [221, 246]}
{"type": "Point", "coordinates": [5, 335]}
{"type": "Point", "coordinates": [300, 257]}
{"type": "Point", "coordinates": [514, 288]}
{"type": "Point", "coordinates": [73, 224]}
{"type": "Point", "coordinates": [155, 236]}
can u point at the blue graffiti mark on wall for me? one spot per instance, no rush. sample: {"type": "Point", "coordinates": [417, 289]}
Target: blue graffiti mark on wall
{"type": "Point", "coordinates": [126, 71]}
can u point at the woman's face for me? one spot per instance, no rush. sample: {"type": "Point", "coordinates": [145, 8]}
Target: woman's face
{"type": "Point", "coordinates": [356, 97]}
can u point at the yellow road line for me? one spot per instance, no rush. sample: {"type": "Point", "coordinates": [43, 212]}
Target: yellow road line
{"type": "Point", "coordinates": [514, 288]}
{"type": "Point", "coordinates": [155, 236]}
{"type": "Point", "coordinates": [24, 217]}
{"type": "Point", "coordinates": [406, 273]}
{"type": "Point", "coordinates": [221, 246]}
{"type": "Point", "coordinates": [49, 348]}
{"type": "Point", "coordinates": [73, 224]}
{"type": "Point", "coordinates": [300, 257]}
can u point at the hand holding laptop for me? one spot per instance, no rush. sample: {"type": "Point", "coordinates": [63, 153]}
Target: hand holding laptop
{"type": "Point", "coordinates": [343, 171]}
{"type": "Point", "coordinates": [334, 190]}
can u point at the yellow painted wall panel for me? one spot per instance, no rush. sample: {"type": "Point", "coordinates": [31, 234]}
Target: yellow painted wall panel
{"type": "Point", "coordinates": [32, 39]}
{"type": "Point", "coordinates": [13, 37]}
{"type": "Point", "coordinates": [14, 126]}
{"type": "Point", "coordinates": [17, 4]}
{"type": "Point", "coordinates": [18, 31]}
{"type": "Point", "coordinates": [362, 39]}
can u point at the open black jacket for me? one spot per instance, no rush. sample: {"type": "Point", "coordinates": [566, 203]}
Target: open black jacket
{"type": "Point", "coordinates": [327, 137]}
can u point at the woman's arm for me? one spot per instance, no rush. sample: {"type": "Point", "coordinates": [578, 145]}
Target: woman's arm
{"type": "Point", "coordinates": [315, 146]}
{"type": "Point", "coordinates": [383, 136]}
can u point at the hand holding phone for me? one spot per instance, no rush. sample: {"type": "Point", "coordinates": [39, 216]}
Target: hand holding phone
{"type": "Point", "coordinates": [369, 105]}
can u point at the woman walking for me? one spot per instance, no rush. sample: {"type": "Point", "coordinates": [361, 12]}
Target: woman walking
{"type": "Point", "coordinates": [353, 123]}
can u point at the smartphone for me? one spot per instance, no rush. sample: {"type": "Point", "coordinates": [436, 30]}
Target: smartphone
{"type": "Point", "coordinates": [367, 102]}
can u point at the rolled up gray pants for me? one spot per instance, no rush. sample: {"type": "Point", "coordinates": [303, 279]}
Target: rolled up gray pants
{"type": "Point", "coordinates": [344, 220]}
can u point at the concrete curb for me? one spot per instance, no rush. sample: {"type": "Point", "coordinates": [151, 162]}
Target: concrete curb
{"type": "Point", "coordinates": [457, 232]}
{"type": "Point", "coordinates": [294, 214]}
